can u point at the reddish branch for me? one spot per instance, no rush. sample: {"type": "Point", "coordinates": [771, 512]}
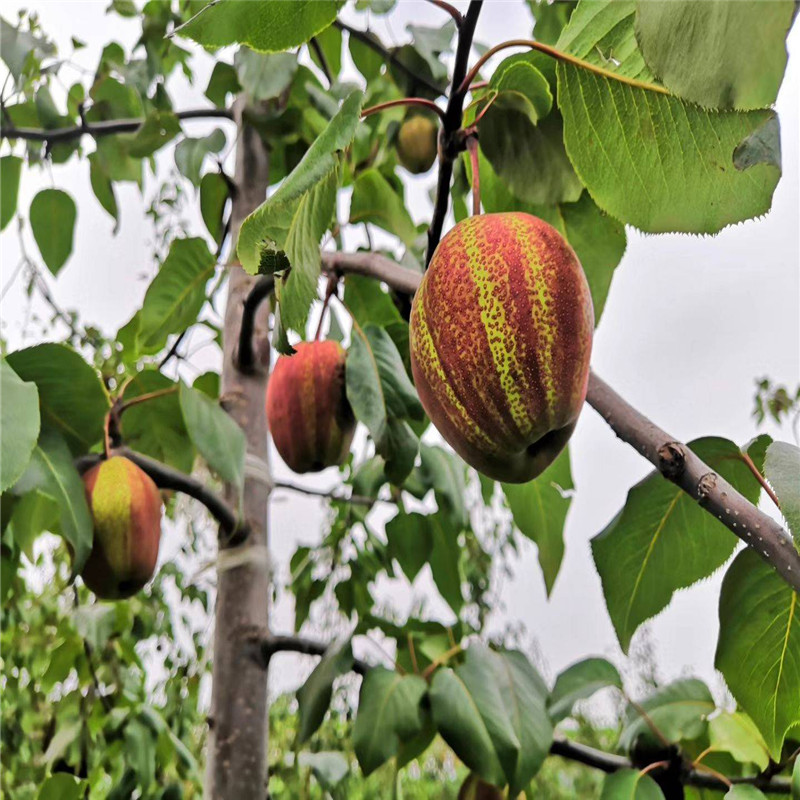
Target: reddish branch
{"type": "Point", "coordinates": [103, 128]}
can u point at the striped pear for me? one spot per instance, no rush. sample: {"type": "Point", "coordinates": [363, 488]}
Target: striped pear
{"type": "Point", "coordinates": [126, 512]}
{"type": "Point", "coordinates": [309, 417]}
{"type": "Point", "coordinates": [500, 338]}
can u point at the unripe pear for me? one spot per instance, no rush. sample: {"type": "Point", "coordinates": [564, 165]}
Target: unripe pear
{"type": "Point", "coordinates": [126, 511]}
{"type": "Point", "coordinates": [416, 144]}
{"type": "Point", "coordinates": [474, 788]}
{"type": "Point", "coordinates": [310, 419]}
{"type": "Point", "coordinates": [500, 339]}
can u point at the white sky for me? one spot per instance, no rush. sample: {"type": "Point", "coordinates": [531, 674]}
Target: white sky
{"type": "Point", "coordinates": [690, 323]}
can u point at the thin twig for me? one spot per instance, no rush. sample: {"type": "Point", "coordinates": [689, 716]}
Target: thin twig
{"type": "Point", "coordinates": [405, 101]}
{"type": "Point", "coordinates": [144, 398]}
{"type": "Point", "coordinates": [472, 149]}
{"type": "Point", "coordinates": [323, 62]}
{"type": "Point", "coordinates": [760, 478]}
{"type": "Point", "coordinates": [451, 10]}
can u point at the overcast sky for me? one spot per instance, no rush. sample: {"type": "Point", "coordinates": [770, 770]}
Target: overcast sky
{"type": "Point", "coordinates": [689, 324]}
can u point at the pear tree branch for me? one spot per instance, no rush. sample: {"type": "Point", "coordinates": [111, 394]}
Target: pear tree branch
{"type": "Point", "coordinates": [673, 459]}
{"type": "Point", "coordinates": [103, 128]}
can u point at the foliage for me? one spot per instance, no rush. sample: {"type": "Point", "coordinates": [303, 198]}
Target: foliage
{"type": "Point", "coordinates": [633, 123]}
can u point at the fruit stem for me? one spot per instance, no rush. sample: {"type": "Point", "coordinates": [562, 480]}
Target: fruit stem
{"type": "Point", "coordinates": [333, 285]}
{"type": "Point", "coordinates": [143, 398]}
{"type": "Point", "coordinates": [559, 56]}
{"type": "Point", "coordinates": [472, 148]}
{"type": "Point", "coordinates": [442, 659]}
{"type": "Point", "coordinates": [451, 10]}
{"type": "Point", "coordinates": [760, 478]}
{"type": "Point", "coordinates": [404, 101]}
{"type": "Point", "coordinates": [106, 432]}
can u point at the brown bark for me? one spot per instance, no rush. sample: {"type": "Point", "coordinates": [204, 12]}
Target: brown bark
{"type": "Point", "coordinates": [236, 768]}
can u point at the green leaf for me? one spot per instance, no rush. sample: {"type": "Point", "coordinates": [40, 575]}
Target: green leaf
{"type": "Point", "coordinates": [177, 293]}
{"type": "Point", "coordinates": [329, 768]}
{"type": "Point", "coordinates": [679, 173]}
{"type": "Point", "coordinates": [158, 128]}
{"type": "Point", "coordinates": [102, 187]}
{"type": "Point", "coordinates": [156, 427]}
{"type": "Point", "coordinates": [330, 42]}
{"type": "Point", "coordinates": [189, 153]}
{"type": "Point", "coordinates": [64, 737]}
{"type": "Point", "coordinates": [140, 747]}
{"type": "Point", "coordinates": [223, 81]}
{"type": "Point", "coordinates": [265, 27]}
{"type": "Point", "coordinates": [707, 53]}
{"type": "Point", "coordinates": [10, 171]}
{"type": "Point", "coordinates": [782, 470]}
{"type": "Point", "coordinates": [663, 541]}
{"type": "Point", "coordinates": [374, 200]}
{"type": "Point", "coordinates": [213, 197]}
{"type": "Point", "coordinates": [758, 651]}
{"type": "Point", "coordinates": [522, 87]}
{"type": "Point", "coordinates": [796, 780]}
{"type": "Point", "coordinates": [364, 390]}
{"type": "Point", "coordinates": [19, 424]}
{"type": "Point", "coordinates": [679, 711]}
{"type": "Point", "coordinates": [445, 472]}
{"type": "Point", "coordinates": [368, 303]}
{"type": "Point", "coordinates": [262, 76]}
{"type": "Point", "coordinates": [62, 786]}
{"type": "Point", "coordinates": [745, 792]}
{"type": "Point", "coordinates": [400, 395]}
{"type": "Point", "coordinates": [550, 18]}
{"type": "Point", "coordinates": [630, 784]}
{"type": "Point", "coordinates": [96, 623]}
{"type": "Point", "coordinates": [491, 711]}
{"type": "Point", "coordinates": [445, 560]}
{"type": "Point", "coordinates": [388, 714]}
{"type": "Point", "coordinates": [214, 433]}
{"type": "Point", "coordinates": [314, 696]}
{"type": "Point", "coordinates": [409, 542]}
{"type": "Point", "coordinates": [72, 398]}
{"type": "Point", "coordinates": [293, 220]}
{"type": "Point", "coordinates": [579, 682]}
{"type": "Point", "coordinates": [51, 471]}
{"type": "Point", "coordinates": [539, 509]}
{"type": "Point", "coordinates": [52, 218]}
{"type": "Point", "coordinates": [34, 513]}
{"type": "Point", "coordinates": [736, 733]}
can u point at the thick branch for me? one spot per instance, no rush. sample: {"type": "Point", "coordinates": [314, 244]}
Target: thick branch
{"type": "Point", "coordinates": [372, 265]}
{"type": "Point", "coordinates": [448, 145]}
{"type": "Point", "coordinates": [103, 128]}
{"type": "Point", "coordinates": [167, 478]}
{"type": "Point", "coordinates": [246, 360]}
{"type": "Point", "coordinates": [373, 43]}
{"type": "Point", "coordinates": [678, 463]}
{"type": "Point", "coordinates": [299, 644]}
{"type": "Point", "coordinates": [672, 459]}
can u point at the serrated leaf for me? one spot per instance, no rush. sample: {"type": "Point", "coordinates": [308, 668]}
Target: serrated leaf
{"type": "Point", "coordinates": [71, 397]}
{"type": "Point", "coordinates": [314, 696]}
{"type": "Point", "coordinates": [662, 541]}
{"type": "Point", "coordinates": [190, 153]}
{"type": "Point", "coordinates": [737, 734]}
{"type": "Point", "coordinates": [706, 52]}
{"type": "Point", "coordinates": [388, 714]}
{"type": "Point", "coordinates": [375, 200]}
{"type": "Point", "coordinates": [679, 711]}
{"type": "Point", "coordinates": [214, 433]}
{"type": "Point", "coordinates": [52, 472]}
{"type": "Point", "coordinates": [296, 216]}
{"type": "Point", "coordinates": [630, 784]}
{"type": "Point", "coordinates": [491, 711]}
{"type": "Point", "coordinates": [19, 424]}
{"type": "Point", "coordinates": [52, 217]}
{"type": "Point", "coordinates": [758, 651]}
{"type": "Point", "coordinates": [782, 470]}
{"type": "Point", "coordinates": [539, 509]}
{"type": "Point", "coordinates": [10, 171]}
{"type": "Point", "coordinates": [265, 27]}
{"type": "Point", "coordinates": [177, 293]}
{"type": "Point", "coordinates": [368, 303]}
{"type": "Point", "coordinates": [579, 682]}
{"type": "Point", "coordinates": [678, 174]}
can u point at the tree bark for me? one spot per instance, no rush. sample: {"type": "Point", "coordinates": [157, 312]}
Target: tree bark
{"type": "Point", "coordinates": [236, 766]}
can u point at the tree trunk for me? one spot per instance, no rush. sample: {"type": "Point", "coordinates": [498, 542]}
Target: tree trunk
{"type": "Point", "coordinates": [236, 768]}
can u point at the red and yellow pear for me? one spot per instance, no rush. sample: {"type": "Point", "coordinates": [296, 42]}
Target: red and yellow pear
{"type": "Point", "coordinates": [310, 419]}
{"type": "Point", "coordinates": [416, 143]}
{"type": "Point", "coordinates": [500, 338]}
{"type": "Point", "coordinates": [126, 512]}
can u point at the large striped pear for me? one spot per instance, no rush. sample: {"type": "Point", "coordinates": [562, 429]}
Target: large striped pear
{"type": "Point", "coordinates": [501, 334]}
{"type": "Point", "coordinates": [310, 419]}
{"type": "Point", "coordinates": [126, 511]}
